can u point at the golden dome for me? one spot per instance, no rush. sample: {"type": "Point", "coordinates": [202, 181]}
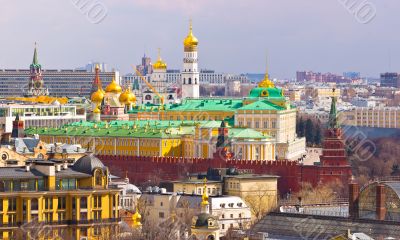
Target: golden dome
{"type": "Point", "coordinates": [266, 82]}
{"type": "Point", "coordinates": [136, 219]}
{"type": "Point", "coordinates": [97, 96]}
{"type": "Point", "coordinates": [123, 98]}
{"type": "Point", "coordinates": [97, 110]}
{"type": "Point", "coordinates": [190, 43]}
{"type": "Point", "coordinates": [132, 97]}
{"type": "Point", "coordinates": [127, 97]}
{"type": "Point", "coordinates": [113, 87]}
{"type": "Point", "coordinates": [160, 64]}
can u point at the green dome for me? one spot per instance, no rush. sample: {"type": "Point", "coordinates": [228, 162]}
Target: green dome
{"type": "Point", "coordinates": [266, 92]}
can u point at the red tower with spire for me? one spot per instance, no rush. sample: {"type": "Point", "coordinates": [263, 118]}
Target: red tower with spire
{"type": "Point", "coordinates": [334, 163]}
{"type": "Point", "coordinates": [96, 81]}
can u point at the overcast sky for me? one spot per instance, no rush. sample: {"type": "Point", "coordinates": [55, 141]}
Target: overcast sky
{"type": "Point", "coordinates": [234, 35]}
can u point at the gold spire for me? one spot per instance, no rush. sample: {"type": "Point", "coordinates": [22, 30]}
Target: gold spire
{"type": "Point", "coordinates": [266, 82]}
{"type": "Point", "coordinates": [190, 43]}
{"type": "Point", "coordinates": [204, 198]}
{"type": "Point", "coordinates": [160, 64]}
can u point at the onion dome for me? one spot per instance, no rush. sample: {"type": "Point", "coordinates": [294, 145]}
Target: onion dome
{"type": "Point", "coordinates": [96, 110]}
{"type": "Point", "coordinates": [124, 97]}
{"type": "Point", "coordinates": [136, 219]}
{"type": "Point", "coordinates": [160, 64]}
{"type": "Point", "coordinates": [113, 87]}
{"type": "Point", "coordinates": [97, 97]}
{"type": "Point", "coordinates": [132, 97]}
{"type": "Point", "coordinates": [190, 43]}
{"type": "Point", "coordinates": [127, 97]}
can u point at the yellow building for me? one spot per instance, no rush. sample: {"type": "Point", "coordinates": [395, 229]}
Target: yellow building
{"type": "Point", "coordinates": [54, 200]}
{"type": "Point", "coordinates": [388, 117]}
{"type": "Point", "coordinates": [260, 192]}
{"type": "Point", "coordinates": [196, 186]}
{"type": "Point", "coordinates": [159, 138]}
{"type": "Point", "coordinates": [265, 110]}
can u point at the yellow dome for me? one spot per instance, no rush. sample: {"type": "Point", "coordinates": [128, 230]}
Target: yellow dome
{"type": "Point", "coordinates": [127, 97]}
{"type": "Point", "coordinates": [124, 97]}
{"type": "Point", "coordinates": [190, 43]}
{"type": "Point", "coordinates": [97, 110]}
{"type": "Point", "coordinates": [136, 219]}
{"type": "Point", "coordinates": [97, 96]}
{"type": "Point", "coordinates": [113, 87]}
{"type": "Point", "coordinates": [132, 97]}
{"type": "Point", "coordinates": [160, 64]}
{"type": "Point", "coordinates": [266, 82]}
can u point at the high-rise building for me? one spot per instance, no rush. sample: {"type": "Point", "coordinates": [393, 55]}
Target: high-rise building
{"type": "Point", "coordinates": [61, 83]}
{"type": "Point", "coordinates": [390, 80]}
{"type": "Point", "coordinates": [190, 76]}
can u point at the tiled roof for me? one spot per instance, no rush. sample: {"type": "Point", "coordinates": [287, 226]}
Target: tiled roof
{"type": "Point", "coordinates": [262, 105]}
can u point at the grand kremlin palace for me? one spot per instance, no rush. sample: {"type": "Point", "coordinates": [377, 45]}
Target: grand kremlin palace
{"type": "Point", "coordinates": [262, 126]}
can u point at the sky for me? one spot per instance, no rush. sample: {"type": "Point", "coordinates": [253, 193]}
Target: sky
{"type": "Point", "coordinates": [234, 35]}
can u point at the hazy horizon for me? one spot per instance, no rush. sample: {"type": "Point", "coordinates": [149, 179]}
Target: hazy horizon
{"type": "Point", "coordinates": [234, 36]}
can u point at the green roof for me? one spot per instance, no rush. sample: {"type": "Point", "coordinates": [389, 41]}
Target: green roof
{"type": "Point", "coordinates": [262, 92]}
{"type": "Point", "coordinates": [262, 105]}
{"type": "Point", "coordinates": [35, 62]}
{"type": "Point", "coordinates": [246, 133]}
{"type": "Point", "coordinates": [200, 104]}
{"type": "Point", "coordinates": [140, 129]}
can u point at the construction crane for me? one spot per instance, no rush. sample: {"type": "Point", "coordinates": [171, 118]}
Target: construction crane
{"type": "Point", "coordinates": [150, 86]}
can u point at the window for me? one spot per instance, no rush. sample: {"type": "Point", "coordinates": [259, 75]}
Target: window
{"type": "Point", "coordinates": [161, 204]}
{"type": "Point", "coordinates": [48, 203]}
{"type": "Point", "coordinates": [161, 214]}
{"type": "Point", "coordinates": [62, 203]}
{"type": "Point", "coordinates": [83, 202]}
{"type": "Point", "coordinates": [12, 204]}
{"type": "Point", "coordinates": [34, 204]}
{"type": "Point", "coordinates": [97, 201]}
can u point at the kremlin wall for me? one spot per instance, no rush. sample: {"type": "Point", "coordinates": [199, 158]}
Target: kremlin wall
{"type": "Point", "coordinates": [167, 140]}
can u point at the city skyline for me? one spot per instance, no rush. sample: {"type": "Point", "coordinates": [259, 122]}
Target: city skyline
{"type": "Point", "coordinates": [324, 37]}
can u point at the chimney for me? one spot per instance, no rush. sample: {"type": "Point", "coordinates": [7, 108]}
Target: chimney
{"type": "Point", "coordinates": [380, 202]}
{"type": "Point", "coordinates": [58, 168]}
{"type": "Point", "coordinates": [354, 192]}
{"type": "Point", "coordinates": [27, 168]}
{"type": "Point", "coordinates": [65, 165]}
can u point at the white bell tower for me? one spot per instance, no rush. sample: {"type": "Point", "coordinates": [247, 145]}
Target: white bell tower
{"type": "Point", "coordinates": [190, 76]}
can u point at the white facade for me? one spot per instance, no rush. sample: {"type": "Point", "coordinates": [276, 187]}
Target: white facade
{"type": "Point", "coordinates": [190, 76]}
{"type": "Point", "coordinates": [231, 211]}
{"type": "Point", "coordinates": [38, 115]}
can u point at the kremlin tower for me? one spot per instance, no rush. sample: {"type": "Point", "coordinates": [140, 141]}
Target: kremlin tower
{"type": "Point", "coordinates": [190, 75]}
{"type": "Point", "coordinates": [35, 84]}
{"type": "Point", "coordinates": [334, 163]}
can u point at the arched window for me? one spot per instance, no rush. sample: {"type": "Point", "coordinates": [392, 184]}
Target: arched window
{"type": "Point", "coordinates": [98, 175]}
{"type": "Point", "coordinates": [190, 80]}
{"type": "Point", "coordinates": [184, 80]}
{"type": "Point", "coordinates": [148, 97]}
{"type": "Point", "coordinates": [195, 81]}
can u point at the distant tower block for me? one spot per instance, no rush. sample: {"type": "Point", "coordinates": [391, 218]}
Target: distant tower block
{"type": "Point", "coordinates": [190, 73]}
